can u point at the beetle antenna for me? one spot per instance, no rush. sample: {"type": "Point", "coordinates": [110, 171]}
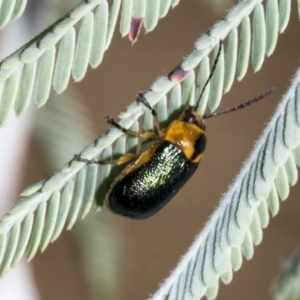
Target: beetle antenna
{"type": "Point", "coordinates": [211, 73]}
{"type": "Point", "coordinates": [256, 99]}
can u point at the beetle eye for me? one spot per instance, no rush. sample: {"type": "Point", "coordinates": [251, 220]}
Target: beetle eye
{"type": "Point", "coordinates": [199, 145]}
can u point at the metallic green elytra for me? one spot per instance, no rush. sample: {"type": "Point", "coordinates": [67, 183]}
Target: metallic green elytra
{"type": "Point", "coordinates": [145, 190]}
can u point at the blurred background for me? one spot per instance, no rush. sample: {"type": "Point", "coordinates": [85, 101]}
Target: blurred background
{"type": "Point", "coordinates": [132, 258]}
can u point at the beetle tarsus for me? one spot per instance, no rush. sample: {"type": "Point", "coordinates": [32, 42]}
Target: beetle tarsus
{"type": "Point", "coordinates": [87, 161]}
{"type": "Point", "coordinates": [112, 122]}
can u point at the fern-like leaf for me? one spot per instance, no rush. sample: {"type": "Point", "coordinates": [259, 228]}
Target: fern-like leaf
{"type": "Point", "coordinates": [236, 225]}
{"type": "Point", "coordinates": [32, 69]}
{"type": "Point", "coordinates": [12, 9]}
{"type": "Point", "coordinates": [61, 128]}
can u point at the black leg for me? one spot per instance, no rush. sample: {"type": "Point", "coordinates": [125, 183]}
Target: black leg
{"type": "Point", "coordinates": [152, 109]}
{"type": "Point", "coordinates": [145, 135]}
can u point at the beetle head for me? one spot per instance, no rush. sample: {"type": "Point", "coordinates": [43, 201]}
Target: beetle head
{"type": "Point", "coordinates": [191, 116]}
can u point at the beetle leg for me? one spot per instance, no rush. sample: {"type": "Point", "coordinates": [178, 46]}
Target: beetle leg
{"type": "Point", "coordinates": [152, 109]}
{"type": "Point", "coordinates": [122, 160]}
{"type": "Point", "coordinates": [144, 135]}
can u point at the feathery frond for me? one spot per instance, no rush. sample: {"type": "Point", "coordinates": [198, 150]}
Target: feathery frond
{"type": "Point", "coordinates": [12, 9]}
{"type": "Point", "coordinates": [62, 128]}
{"type": "Point", "coordinates": [31, 70]}
{"type": "Point", "coordinates": [236, 225]}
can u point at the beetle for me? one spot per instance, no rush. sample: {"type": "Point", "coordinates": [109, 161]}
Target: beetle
{"type": "Point", "coordinates": [153, 178]}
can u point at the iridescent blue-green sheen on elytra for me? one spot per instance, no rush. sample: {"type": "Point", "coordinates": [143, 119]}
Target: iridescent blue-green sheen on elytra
{"type": "Point", "coordinates": [144, 191]}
